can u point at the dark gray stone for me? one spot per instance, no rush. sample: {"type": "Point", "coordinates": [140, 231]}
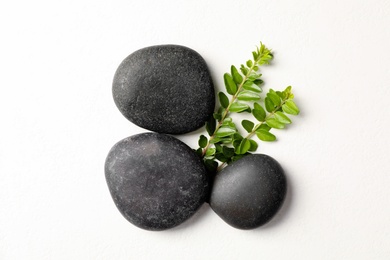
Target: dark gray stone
{"type": "Point", "coordinates": [165, 88]}
{"type": "Point", "coordinates": [248, 193]}
{"type": "Point", "coordinates": [155, 180]}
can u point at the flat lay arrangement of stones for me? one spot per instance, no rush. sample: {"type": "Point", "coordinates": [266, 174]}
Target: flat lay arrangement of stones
{"type": "Point", "coordinates": [158, 182]}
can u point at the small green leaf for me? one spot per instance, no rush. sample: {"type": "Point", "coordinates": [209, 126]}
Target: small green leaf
{"type": "Point", "coordinates": [282, 118]}
{"type": "Point", "coordinates": [223, 99]}
{"type": "Point", "coordinates": [255, 55]}
{"type": "Point", "coordinates": [259, 112]}
{"type": "Point", "coordinates": [199, 152]}
{"type": "Point", "coordinates": [264, 127]}
{"type": "Point", "coordinates": [274, 97]}
{"type": "Point", "coordinates": [221, 157]}
{"type": "Point", "coordinates": [231, 87]}
{"type": "Point", "coordinates": [249, 85]}
{"type": "Point", "coordinates": [202, 141]}
{"type": "Point", "coordinates": [217, 116]}
{"type": "Point", "coordinates": [254, 146]}
{"type": "Point", "coordinates": [287, 91]}
{"type": "Point", "coordinates": [281, 94]}
{"type": "Point", "coordinates": [210, 152]}
{"type": "Point", "coordinates": [226, 140]}
{"type": "Point", "coordinates": [268, 104]}
{"type": "Point", "coordinates": [211, 165]}
{"type": "Point", "coordinates": [210, 126]}
{"type": "Point", "coordinates": [248, 125]}
{"type": "Point", "coordinates": [243, 69]}
{"type": "Point", "coordinates": [238, 107]}
{"type": "Point", "coordinates": [224, 131]}
{"type": "Point", "coordinates": [258, 82]}
{"type": "Point", "coordinates": [236, 143]}
{"type": "Point", "coordinates": [249, 63]}
{"type": "Point", "coordinates": [244, 146]}
{"type": "Point", "coordinates": [229, 123]}
{"type": "Point", "coordinates": [237, 136]}
{"type": "Point", "coordinates": [237, 157]}
{"type": "Point", "coordinates": [215, 140]}
{"type": "Point", "coordinates": [228, 152]}
{"type": "Point", "coordinates": [236, 75]}
{"type": "Point", "coordinates": [257, 106]}
{"type": "Point", "coordinates": [264, 135]}
{"type": "Point", "coordinates": [272, 122]}
{"type": "Point", "coordinates": [247, 95]}
{"type": "Point", "coordinates": [290, 108]}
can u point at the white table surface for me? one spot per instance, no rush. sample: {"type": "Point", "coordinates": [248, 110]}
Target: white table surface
{"type": "Point", "coordinates": [57, 61]}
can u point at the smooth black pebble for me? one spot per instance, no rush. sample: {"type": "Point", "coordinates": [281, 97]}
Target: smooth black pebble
{"type": "Point", "coordinates": [155, 180]}
{"type": "Point", "coordinates": [165, 88]}
{"type": "Point", "coordinates": [248, 193]}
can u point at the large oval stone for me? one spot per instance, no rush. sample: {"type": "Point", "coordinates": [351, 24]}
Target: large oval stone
{"type": "Point", "coordinates": [248, 193]}
{"type": "Point", "coordinates": [165, 88]}
{"type": "Point", "coordinates": [155, 180]}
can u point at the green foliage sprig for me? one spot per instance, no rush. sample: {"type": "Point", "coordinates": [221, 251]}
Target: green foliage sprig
{"type": "Point", "coordinates": [225, 144]}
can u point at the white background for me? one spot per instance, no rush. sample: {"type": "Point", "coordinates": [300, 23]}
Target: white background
{"type": "Point", "coordinates": [57, 61]}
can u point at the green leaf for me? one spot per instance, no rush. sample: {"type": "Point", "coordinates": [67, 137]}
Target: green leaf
{"type": "Point", "coordinates": [264, 127]}
{"type": "Point", "coordinates": [217, 116]}
{"type": "Point", "coordinates": [231, 87]}
{"type": "Point", "coordinates": [258, 82]}
{"type": "Point", "coordinates": [202, 141]}
{"type": "Point", "coordinates": [228, 152]}
{"type": "Point", "coordinates": [248, 125]}
{"type": "Point", "coordinates": [244, 146]}
{"type": "Point", "coordinates": [215, 140]}
{"type": "Point", "coordinates": [229, 123]}
{"type": "Point", "coordinates": [249, 85]}
{"type": "Point", "coordinates": [221, 157]}
{"type": "Point", "coordinates": [249, 63]}
{"type": "Point", "coordinates": [210, 152]}
{"type": "Point", "coordinates": [274, 97]}
{"type": "Point", "coordinates": [199, 152]}
{"type": "Point", "coordinates": [247, 95]}
{"type": "Point", "coordinates": [237, 157]}
{"type": "Point", "coordinates": [238, 107]}
{"type": "Point", "coordinates": [282, 118]}
{"type": "Point", "coordinates": [236, 75]}
{"type": "Point", "coordinates": [236, 143]}
{"type": "Point", "coordinates": [268, 104]}
{"type": "Point", "coordinates": [255, 55]}
{"type": "Point", "coordinates": [290, 108]}
{"type": "Point", "coordinates": [224, 131]}
{"type": "Point", "coordinates": [223, 99]}
{"type": "Point", "coordinates": [259, 112]}
{"type": "Point", "coordinates": [211, 165]}
{"type": "Point", "coordinates": [254, 146]}
{"type": "Point", "coordinates": [237, 136]}
{"type": "Point", "coordinates": [210, 126]}
{"type": "Point", "coordinates": [272, 122]}
{"type": "Point", "coordinates": [281, 94]}
{"type": "Point", "coordinates": [264, 135]}
{"type": "Point", "coordinates": [243, 69]}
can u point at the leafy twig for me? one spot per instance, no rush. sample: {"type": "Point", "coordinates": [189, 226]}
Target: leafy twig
{"type": "Point", "coordinates": [225, 143]}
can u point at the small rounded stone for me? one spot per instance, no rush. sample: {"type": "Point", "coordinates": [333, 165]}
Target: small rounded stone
{"type": "Point", "coordinates": [156, 181]}
{"type": "Point", "coordinates": [248, 193]}
{"type": "Point", "coordinates": [165, 89]}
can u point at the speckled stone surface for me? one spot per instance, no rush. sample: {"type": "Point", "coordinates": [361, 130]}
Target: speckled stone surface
{"type": "Point", "coordinates": [248, 193]}
{"type": "Point", "coordinates": [165, 88]}
{"type": "Point", "coordinates": [155, 180]}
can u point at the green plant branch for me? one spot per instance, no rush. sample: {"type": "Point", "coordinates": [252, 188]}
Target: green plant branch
{"type": "Point", "coordinates": [232, 100]}
{"type": "Point", "coordinates": [251, 134]}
